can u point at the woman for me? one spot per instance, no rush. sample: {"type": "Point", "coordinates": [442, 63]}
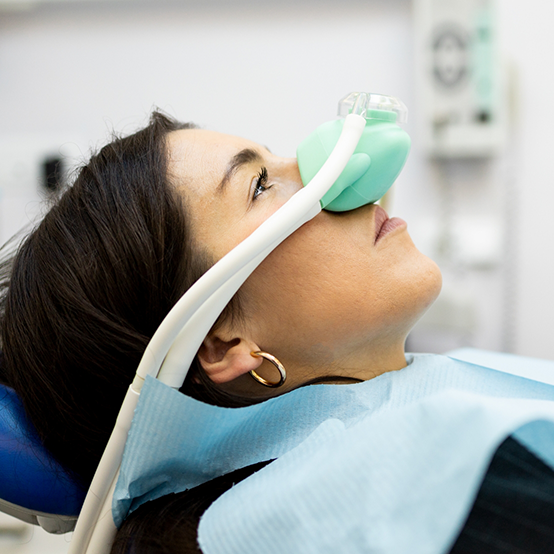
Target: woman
{"type": "Point", "coordinates": [144, 219]}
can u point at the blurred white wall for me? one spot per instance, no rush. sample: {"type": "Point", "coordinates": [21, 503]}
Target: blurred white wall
{"type": "Point", "coordinates": [70, 72]}
{"type": "Point", "coordinates": [269, 70]}
{"type": "Point", "coordinates": [528, 43]}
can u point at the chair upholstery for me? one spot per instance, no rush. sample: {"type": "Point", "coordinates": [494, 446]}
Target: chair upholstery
{"type": "Point", "coordinates": [33, 486]}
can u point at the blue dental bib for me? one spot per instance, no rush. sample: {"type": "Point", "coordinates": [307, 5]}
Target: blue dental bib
{"type": "Point", "coordinates": [389, 465]}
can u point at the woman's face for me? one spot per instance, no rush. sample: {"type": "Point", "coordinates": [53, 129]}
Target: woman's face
{"type": "Point", "coordinates": [334, 298]}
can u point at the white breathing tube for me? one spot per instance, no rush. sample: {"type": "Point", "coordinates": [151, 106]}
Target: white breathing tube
{"type": "Point", "coordinates": [171, 350]}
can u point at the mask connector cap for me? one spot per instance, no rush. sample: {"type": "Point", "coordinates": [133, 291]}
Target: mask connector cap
{"type": "Point", "coordinates": [374, 106]}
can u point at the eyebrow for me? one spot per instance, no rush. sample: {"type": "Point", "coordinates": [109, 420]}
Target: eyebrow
{"type": "Point", "coordinates": [244, 157]}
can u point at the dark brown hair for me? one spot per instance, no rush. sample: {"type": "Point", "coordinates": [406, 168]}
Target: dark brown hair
{"type": "Point", "coordinates": [169, 525]}
{"type": "Point", "coordinates": [87, 289]}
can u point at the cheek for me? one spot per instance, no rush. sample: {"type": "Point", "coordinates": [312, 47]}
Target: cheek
{"type": "Point", "coordinates": [328, 282]}
{"type": "Point", "coordinates": [223, 229]}
{"type": "Point", "coordinates": [310, 281]}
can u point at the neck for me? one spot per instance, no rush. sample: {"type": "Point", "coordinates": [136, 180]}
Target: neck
{"type": "Point", "coordinates": [362, 365]}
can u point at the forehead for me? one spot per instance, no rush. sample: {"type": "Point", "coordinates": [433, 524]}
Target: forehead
{"type": "Point", "coordinates": [199, 157]}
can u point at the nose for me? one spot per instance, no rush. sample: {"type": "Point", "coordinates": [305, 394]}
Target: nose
{"type": "Point", "coordinates": [289, 169]}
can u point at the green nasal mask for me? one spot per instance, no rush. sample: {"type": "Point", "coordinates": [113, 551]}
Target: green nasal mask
{"type": "Point", "coordinates": [377, 161]}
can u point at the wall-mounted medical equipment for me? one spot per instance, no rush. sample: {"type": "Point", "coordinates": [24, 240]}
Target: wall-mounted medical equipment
{"type": "Point", "coordinates": [461, 109]}
{"type": "Point", "coordinates": [52, 173]}
{"type": "Point", "coordinates": [31, 168]}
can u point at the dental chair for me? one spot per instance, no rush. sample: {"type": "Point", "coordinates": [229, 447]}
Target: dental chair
{"type": "Point", "coordinates": [33, 487]}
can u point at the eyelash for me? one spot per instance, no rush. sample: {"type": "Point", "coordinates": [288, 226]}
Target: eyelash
{"type": "Point", "coordinates": [261, 183]}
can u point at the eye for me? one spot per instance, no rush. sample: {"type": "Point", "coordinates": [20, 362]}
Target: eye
{"type": "Point", "coordinates": [260, 184]}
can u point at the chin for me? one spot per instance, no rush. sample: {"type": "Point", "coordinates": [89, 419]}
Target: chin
{"type": "Point", "coordinates": [429, 287]}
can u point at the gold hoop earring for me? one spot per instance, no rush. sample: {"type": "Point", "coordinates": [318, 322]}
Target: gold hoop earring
{"type": "Point", "coordinates": [276, 363]}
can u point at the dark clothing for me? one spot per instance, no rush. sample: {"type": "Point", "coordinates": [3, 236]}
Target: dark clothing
{"type": "Point", "coordinates": [514, 509]}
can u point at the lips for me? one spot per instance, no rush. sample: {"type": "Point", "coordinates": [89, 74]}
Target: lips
{"type": "Point", "coordinates": [384, 225]}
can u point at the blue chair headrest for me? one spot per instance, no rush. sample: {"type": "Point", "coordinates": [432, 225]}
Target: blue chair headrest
{"type": "Point", "coordinates": [29, 476]}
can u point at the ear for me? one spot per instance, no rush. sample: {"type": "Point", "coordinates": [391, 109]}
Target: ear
{"type": "Point", "coordinates": [224, 361]}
